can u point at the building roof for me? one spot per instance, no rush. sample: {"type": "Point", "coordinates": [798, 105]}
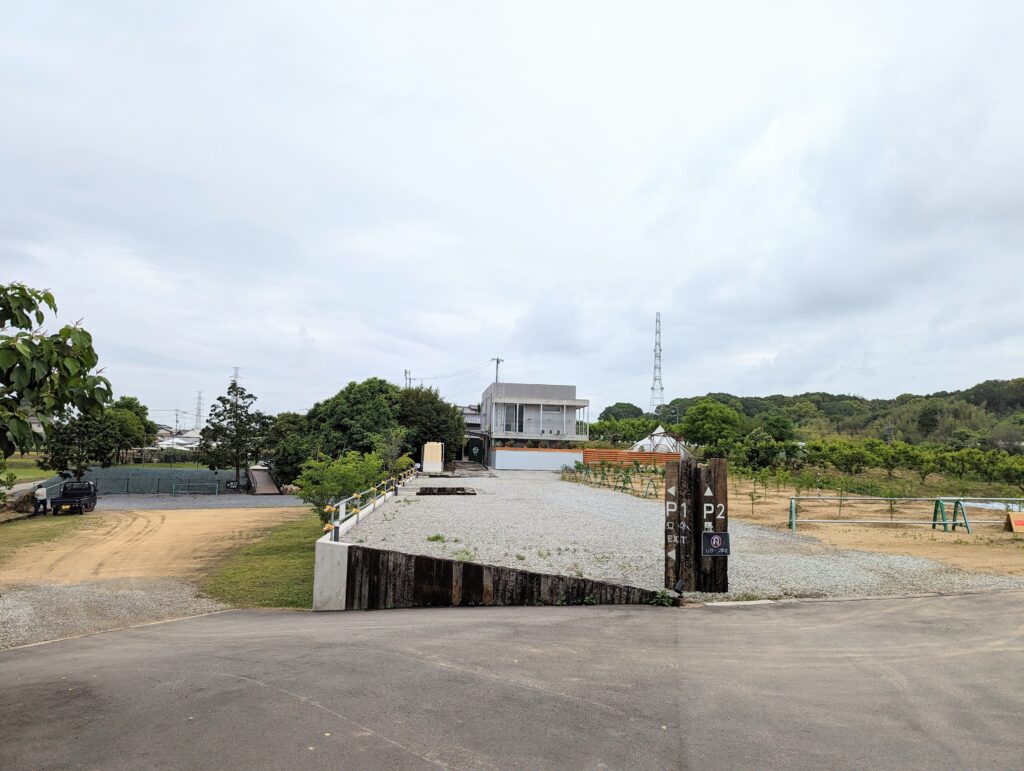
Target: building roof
{"type": "Point", "coordinates": [532, 392]}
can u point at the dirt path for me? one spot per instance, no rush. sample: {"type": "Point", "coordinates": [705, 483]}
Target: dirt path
{"type": "Point", "coordinates": [180, 543]}
{"type": "Point", "coordinates": [987, 550]}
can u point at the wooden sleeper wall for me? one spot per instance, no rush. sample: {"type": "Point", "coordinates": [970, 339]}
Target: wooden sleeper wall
{"type": "Point", "coordinates": [378, 579]}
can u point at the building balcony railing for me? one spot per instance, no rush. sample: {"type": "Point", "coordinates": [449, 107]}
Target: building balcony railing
{"type": "Point", "coordinates": [581, 434]}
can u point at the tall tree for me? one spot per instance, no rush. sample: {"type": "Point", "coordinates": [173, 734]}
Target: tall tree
{"type": "Point", "coordinates": [427, 417]}
{"type": "Point", "coordinates": [350, 419]}
{"type": "Point", "coordinates": [42, 375]}
{"type": "Point", "coordinates": [141, 411]}
{"type": "Point", "coordinates": [235, 432]}
{"type": "Point", "coordinates": [128, 431]}
{"type": "Point", "coordinates": [621, 411]}
{"type": "Point", "coordinates": [78, 442]}
{"type": "Point", "coordinates": [710, 423]}
{"type": "Point", "coordinates": [289, 445]}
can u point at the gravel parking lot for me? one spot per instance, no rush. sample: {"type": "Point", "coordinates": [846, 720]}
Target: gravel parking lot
{"type": "Point", "coordinates": [535, 521]}
{"type": "Point", "coordinates": [51, 611]}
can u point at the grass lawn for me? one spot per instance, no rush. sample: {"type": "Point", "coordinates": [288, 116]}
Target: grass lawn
{"type": "Point", "coordinates": [25, 469]}
{"type": "Point", "coordinates": [24, 532]}
{"type": "Point", "coordinates": [274, 572]}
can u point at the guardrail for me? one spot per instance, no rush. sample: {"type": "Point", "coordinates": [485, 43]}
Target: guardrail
{"type": "Point", "coordinates": [365, 502]}
{"type": "Point", "coordinates": [938, 510]}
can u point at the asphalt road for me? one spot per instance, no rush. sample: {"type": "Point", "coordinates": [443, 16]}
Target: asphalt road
{"type": "Point", "coordinates": [933, 682]}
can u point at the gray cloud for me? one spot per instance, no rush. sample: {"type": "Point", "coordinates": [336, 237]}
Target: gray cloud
{"type": "Point", "coordinates": [815, 196]}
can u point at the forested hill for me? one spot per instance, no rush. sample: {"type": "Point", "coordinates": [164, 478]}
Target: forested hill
{"type": "Point", "coordinates": [990, 412]}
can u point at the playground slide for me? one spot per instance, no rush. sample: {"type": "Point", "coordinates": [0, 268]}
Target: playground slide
{"type": "Point", "coordinates": [262, 483]}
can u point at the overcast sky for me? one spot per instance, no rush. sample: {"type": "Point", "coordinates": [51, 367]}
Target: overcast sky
{"type": "Point", "coordinates": [816, 196]}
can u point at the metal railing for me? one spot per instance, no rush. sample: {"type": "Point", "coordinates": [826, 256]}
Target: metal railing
{"type": "Point", "coordinates": [365, 502]}
{"type": "Point", "coordinates": [938, 518]}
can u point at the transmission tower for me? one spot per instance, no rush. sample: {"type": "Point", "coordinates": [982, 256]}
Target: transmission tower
{"type": "Point", "coordinates": [199, 410]}
{"type": "Point", "coordinates": [657, 389]}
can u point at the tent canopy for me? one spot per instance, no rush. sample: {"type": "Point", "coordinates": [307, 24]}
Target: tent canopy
{"type": "Point", "coordinates": [659, 441]}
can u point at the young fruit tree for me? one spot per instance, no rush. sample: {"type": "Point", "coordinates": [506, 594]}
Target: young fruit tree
{"type": "Point", "coordinates": [42, 375]}
{"type": "Point", "coordinates": [235, 433]}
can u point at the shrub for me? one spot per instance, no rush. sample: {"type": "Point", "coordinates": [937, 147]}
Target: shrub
{"type": "Point", "coordinates": [325, 481]}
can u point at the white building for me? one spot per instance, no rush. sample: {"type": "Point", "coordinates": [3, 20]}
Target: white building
{"type": "Point", "coordinates": [533, 425]}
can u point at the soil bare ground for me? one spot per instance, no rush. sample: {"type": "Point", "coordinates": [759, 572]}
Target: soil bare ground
{"type": "Point", "coordinates": [179, 543]}
{"type": "Point", "coordinates": [988, 549]}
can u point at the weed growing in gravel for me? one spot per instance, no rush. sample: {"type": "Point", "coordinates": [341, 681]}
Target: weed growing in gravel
{"type": "Point", "coordinates": [663, 599]}
{"type": "Point", "coordinates": [437, 538]}
{"type": "Point", "coordinates": [544, 554]}
{"type": "Point", "coordinates": [520, 557]}
{"type": "Point", "coordinates": [463, 554]}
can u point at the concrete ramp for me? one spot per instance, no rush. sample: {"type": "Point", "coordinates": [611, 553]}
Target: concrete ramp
{"type": "Point", "coordinates": [262, 482]}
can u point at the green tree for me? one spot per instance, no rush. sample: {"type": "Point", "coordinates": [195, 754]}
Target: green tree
{"type": "Point", "coordinates": [42, 375]}
{"type": "Point", "coordinates": [141, 411]}
{"type": "Point", "coordinates": [1011, 470]}
{"type": "Point", "coordinates": [620, 411]}
{"type": "Point", "coordinates": [78, 442]}
{"type": "Point", "coordinates": [923, 460]}
{"type": "Point", "coordinates": [349, 419]}
{"type": "Point", "coordinates": [850, 457]}
{"type": "Point", "coordinates": [389, 445]}
{"type": "Point", "coordinates": [128, 431]}
{"type": "Point", "coordinates": [325, 481]}
{"type": "Point", "coordinates": [289, 445]}
{"type": "Point", "coordinates": [426, 417]}
{"type": "Point", "coordinates": [235, 433]}
{"type": "Point", "coordinates": [777, 424]}
{"type": "Point", "coordinates": [760, 451]}
{"type": "Point", "coordinates": [890, 455]}
{"type": "Point", "coordinates": [960, 462]}
{"type": "Point", "coordinates": [710, 423]}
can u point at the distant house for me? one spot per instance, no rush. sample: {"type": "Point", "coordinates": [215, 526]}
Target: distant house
{"type": "Point", "coordinates": [471, 417]}
{"type": "Point", "coordinates": [533, 425]}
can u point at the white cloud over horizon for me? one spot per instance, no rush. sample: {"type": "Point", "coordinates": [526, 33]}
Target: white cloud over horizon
{"type": "Point", "coordinates": [815, 196]}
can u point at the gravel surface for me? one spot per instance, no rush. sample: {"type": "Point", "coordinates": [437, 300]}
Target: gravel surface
{"type": "Point", "coordinates": [535, 521]}
{"type": "Point", "coordinates": [51, 611]}
{"type": "Point", "coordinates": [225, 501]}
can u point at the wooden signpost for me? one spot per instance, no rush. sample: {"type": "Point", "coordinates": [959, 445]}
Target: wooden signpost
{"type": "Point", "coordinates": [696, 502]}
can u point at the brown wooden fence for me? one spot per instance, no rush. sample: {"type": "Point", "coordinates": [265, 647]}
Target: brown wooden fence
{"type": "Point", "coordinates": [378, 578]}
{"type": "Point", "coordinates": [625, 457]}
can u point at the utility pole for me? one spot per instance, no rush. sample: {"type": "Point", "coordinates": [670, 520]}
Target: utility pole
{"type": "Point", "coordinates": [234, 378]}
{"type": "Point", "coordinates": [657, 389]}
{"type": "Point", "coordinates": [497, 363]}
{"type": "Point", "coordinates": [199, 409]}
{"type": "Point", "coordinates": [408, 378]}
